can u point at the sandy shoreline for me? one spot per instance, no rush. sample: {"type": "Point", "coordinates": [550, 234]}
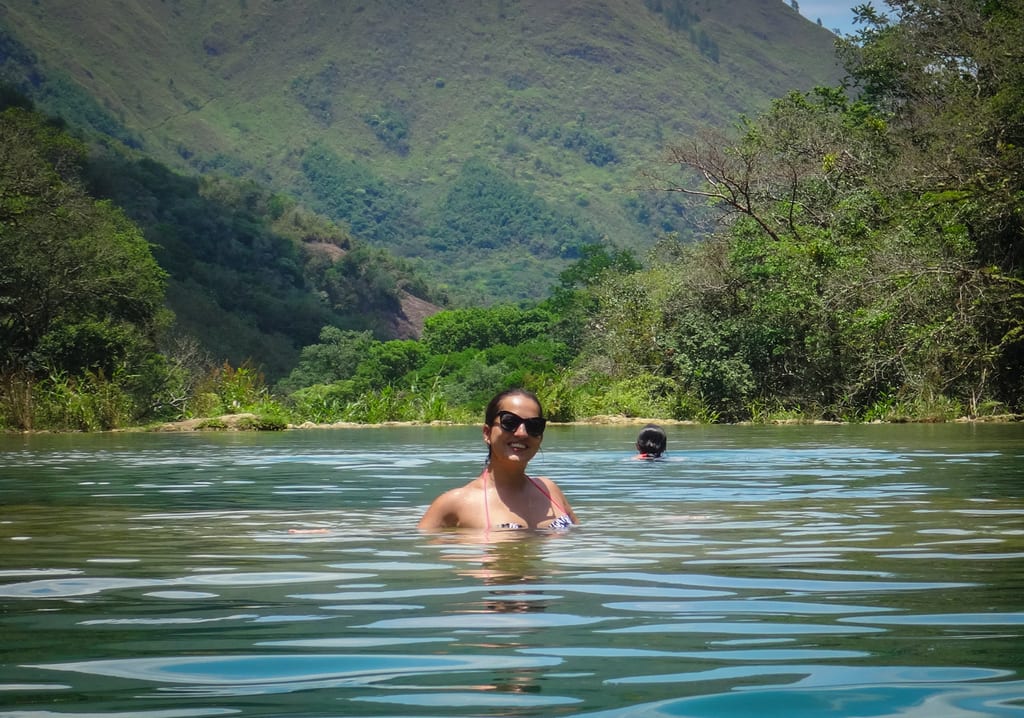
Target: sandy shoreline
{"type": "Point", "coordinates": [243, 422]}
{"type": "Point", "coordinates": [250, 422]}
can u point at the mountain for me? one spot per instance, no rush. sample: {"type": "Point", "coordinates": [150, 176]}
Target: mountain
{"type": "Point", "coordinates": [485, 141]}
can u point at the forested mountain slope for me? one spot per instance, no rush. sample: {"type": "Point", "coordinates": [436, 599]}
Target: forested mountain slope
{"type": "Point", "coordinates": [866, 262]}
{"type": "Point", "coordinates": [486, 140]}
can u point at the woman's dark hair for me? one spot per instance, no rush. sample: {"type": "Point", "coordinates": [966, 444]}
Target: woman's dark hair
{"type": "Point", "coordinates": [652, 440]}
{"type": "Point", "coordinates": [491, 412]}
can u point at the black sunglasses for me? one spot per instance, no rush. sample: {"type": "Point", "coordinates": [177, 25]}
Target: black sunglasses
{"type": "Point", "coordinates": [510, 422]}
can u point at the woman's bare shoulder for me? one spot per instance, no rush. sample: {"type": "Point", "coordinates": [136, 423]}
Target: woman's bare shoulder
{"type": "Point", "coordinates": [548, 483]}
{"type": "Point", "coordinates": [448, 508]}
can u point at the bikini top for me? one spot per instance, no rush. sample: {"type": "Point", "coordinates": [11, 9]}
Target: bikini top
{"type": "Point", "coordinates": [561, 521]}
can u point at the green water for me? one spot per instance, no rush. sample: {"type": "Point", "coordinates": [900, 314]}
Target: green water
{"type": "Point", "coordinates": [754, 571]}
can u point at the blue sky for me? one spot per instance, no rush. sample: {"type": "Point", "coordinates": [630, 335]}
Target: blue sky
{"type": "Point", "coordinates": [833, 13]}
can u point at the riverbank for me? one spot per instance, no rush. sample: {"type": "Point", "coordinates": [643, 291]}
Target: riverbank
{"type": "Point", "coordinates": [252, 422]}
{"type": "Point", "coordinates": [249, 422]}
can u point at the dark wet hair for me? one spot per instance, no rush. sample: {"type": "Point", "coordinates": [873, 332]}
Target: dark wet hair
{"type": "Point", "coordinates": [491, 412]}
{"type": "Point", "coordinates": [652, 440]}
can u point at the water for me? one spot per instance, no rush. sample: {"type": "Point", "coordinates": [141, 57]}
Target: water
{"type": "Point", "coordinates": [766, 571]}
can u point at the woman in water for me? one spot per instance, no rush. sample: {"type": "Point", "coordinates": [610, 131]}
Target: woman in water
{"type": "Point", "coordinates": [504, 495]}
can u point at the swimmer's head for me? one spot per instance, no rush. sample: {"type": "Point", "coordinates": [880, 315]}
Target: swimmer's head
{"type": "Point", "coordinates": [652, 441]}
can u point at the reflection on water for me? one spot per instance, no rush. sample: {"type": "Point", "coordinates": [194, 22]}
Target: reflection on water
{"type": "Point", "coordinates": [777, 571]}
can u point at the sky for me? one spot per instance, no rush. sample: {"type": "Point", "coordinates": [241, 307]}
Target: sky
{"type": "Point", "coordinates": [834, 14]}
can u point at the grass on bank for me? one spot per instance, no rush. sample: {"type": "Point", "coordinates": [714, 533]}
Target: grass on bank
{"type": "Point", "coordinates": [237, 399]}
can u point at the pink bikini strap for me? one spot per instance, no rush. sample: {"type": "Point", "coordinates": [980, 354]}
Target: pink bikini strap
{"type": "Point", "coordinates": [547, 493]}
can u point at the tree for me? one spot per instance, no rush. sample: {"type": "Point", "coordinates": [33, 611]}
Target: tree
{"type": "Point", "coordinates": [477, 328]}
{"type": "Point", "coordinates": [336, 357]}
{"type": "Point", "coordinates": [872, 246]}
{"type": "Point", "coordinates": [79, 288]}
{"type": "Point", "coordinates": [387, 363]}
{"type": "Point", "coordinates": [949, 77]}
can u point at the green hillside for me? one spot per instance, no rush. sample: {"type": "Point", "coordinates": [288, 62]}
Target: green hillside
{"type": "Point", "coordinates": [487, 141]}
{"type": "Point", "coordinates": [866, 262]}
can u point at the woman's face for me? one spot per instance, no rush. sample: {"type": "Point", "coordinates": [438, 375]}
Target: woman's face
{"type": "Point", "coordinates": [514, 447]}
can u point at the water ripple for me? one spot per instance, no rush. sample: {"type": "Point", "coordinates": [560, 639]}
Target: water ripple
{"type": "Point", "coordinates": [914, 700]}
{"type": "Point", "coordinates": [751, 606]}
{"type": "Point", "coordinates": [292, 671]}
{"type": "Point", "coordinates": [753, 571]}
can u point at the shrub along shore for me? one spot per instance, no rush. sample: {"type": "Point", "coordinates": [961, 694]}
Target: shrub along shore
{"type": "Point", "coordinates": [251, 422]}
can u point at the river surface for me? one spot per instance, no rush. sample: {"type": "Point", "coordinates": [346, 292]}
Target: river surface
{"type": "Point", "coordinates": [796, 571]}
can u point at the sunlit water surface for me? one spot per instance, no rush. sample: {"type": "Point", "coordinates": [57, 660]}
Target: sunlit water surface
{"type": "Point", "coordinates": [754, 571]}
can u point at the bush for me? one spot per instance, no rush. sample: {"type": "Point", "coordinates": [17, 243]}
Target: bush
{"type": "Point", "coordinates": [263, 422]}
{"type": "Point", "coordinates": [238, 388]}
{"type": "Point", "coordinates": [87, 403]}
{"type": "Point", "coordinates": [322, 403]}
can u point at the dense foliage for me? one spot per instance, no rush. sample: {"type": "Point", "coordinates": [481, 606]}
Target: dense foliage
{"type": "Point", "coordinates": [488, 231]}
{"type": "Point", "coordinates": [375, 135]}
{"type": "Point", "coordinates": [872, 265]}
{"type": "Point", "coordinates": [252, 274]}
{"type": "Point", "coordinates": [80, 293]}
{"type": "Point", "coordinates": [868, 264]}
{"type": "Point", "coordinates": [94, 245]}
{"type": "Point", "coordinates": [350, 193]}
{"type": "Point", "coordinates": [370, 115]}
{"type": "Point", "coordinates": [485, 210]}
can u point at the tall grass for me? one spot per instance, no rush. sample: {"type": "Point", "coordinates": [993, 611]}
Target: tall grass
{"type": "Point", "coordinates": [646, 396]}
{"type": "Point", "coordinates": [90, 402]}
{"type": "Point", "coordinates": [16, 401]}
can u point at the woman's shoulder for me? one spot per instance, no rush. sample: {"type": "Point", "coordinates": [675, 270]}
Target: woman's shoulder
{"type": "Point", "coordinates": [461, 493]}
{"type": "Point", "coordinates": [548, 484]}
{"type": "Point", "coordinates": [453, 507]}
